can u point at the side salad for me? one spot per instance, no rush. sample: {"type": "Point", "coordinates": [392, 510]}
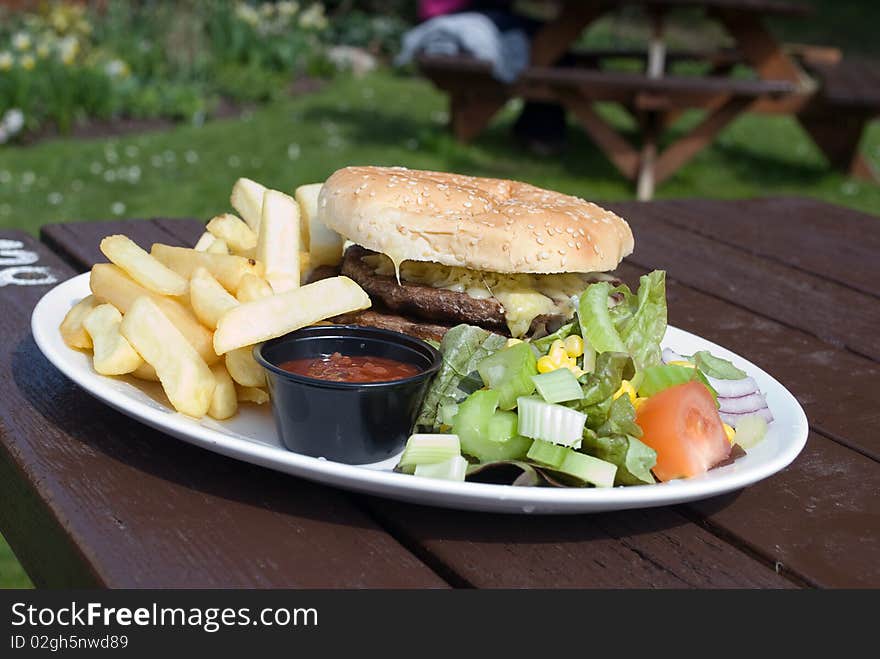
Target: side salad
{"type": "Point", "coordinates": [597, 403]}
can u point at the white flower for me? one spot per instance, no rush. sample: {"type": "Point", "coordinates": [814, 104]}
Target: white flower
{"type": "Point", "coordinates": [6, 60]}
{"type": "Point", "coordinates": [118, 208]}
{"type": "Point", "coordinates": [287, 9]}
{"type": "Point", "coordinates": [13, 121]}
{"type": "Point", "coordinates": [293, 151]}
{"type": "Point", "coordinates": [116, 68]}
{"type": "Point", "coordinates": [131, 151]}
{"type": "Point", "coordinates": [21, 41]}
{"type": "Point", "coordinates": [28, 178]}
{"type": "Point", "coordinates": [191, 157]}
{"type": "Point", "coordinates": [313, 18]}
{"type": "Point", "coordinates": [134, 174]}
{"type": "Point", "coordinates": [55, 198]}
{"type": "Point", "coordinates": [234, 161]}
{"type": "Point", "coordinates": [28, 62]}
{"type": "Point", "coordinates": [68, 48]}
{"type": "Point", "coordinates": [96, 168]}
{"type": "Point", "coordinates": [247, 14]}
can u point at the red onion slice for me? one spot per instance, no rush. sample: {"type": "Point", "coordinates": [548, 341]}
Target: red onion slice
{"type": "Point", "coordinates": [742, 404]}
{"type": "Point", "coordinates": [731, 419]}
{"type": "Point", "coordinates": [733, 388]}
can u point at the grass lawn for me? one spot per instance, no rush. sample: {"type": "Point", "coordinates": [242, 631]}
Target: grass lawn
{"type": "Point", "coordinates": [383, 119]}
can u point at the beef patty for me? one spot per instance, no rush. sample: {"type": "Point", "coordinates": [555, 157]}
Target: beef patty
{"type": "Point", "coordinates": [421, 300]}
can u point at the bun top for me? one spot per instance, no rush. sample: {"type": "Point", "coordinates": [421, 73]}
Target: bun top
{"type": "Point", "coordinates": [477, 223]}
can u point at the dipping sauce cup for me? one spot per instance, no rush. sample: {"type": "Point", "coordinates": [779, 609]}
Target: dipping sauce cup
{"type": "Point", "coordinates": [351, 422]}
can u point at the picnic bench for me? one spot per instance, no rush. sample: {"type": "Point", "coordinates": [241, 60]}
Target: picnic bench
{"type": "Point", "coordinates": [809, 81]}
{"type": "Point", "coordinates": [93, 498]}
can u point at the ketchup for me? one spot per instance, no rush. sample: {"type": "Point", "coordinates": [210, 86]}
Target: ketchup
{"type": "Point", "coordinates": [342, 368]}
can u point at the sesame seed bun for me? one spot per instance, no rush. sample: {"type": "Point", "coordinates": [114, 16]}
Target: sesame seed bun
{"type": "Point", "coordinates": [476, 223]}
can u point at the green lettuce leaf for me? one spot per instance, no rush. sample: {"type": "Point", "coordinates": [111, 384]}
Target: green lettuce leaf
{"type": "Point", "coordinates": [463, 347]}
{"type": "Point", "coordinates": [634, 325]}
{"type": "Point", "coordinates": [634, 458]}
{"type": "Point", "coordinates": [718, 368]}
{"type": "Point", "coordinates": [643, 329]}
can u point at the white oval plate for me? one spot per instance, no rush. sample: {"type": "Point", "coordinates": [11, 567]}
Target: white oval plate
{"type": "Point", "coordinates": [250, 436]}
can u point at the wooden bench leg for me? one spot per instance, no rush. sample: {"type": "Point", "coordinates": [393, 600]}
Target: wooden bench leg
{"type": "Point", "coordinates": [470, 114]}
{"type": "Point", "coordinates": [838, 133]}
{"type": "Point", "coordinates": [651, 125]}
{"type": "Point", "coordinates": [679, 153]}
{"type": "Point", "coordinates": [620, 152]}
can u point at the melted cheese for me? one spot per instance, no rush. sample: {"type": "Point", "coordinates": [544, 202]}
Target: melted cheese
{"type": "Point", "coordinates": [524, 297]}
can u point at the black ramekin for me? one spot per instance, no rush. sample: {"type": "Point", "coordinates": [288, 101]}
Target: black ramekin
{"type": "Point", "coordinates": [351, 422]}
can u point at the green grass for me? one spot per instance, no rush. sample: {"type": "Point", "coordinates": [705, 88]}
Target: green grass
{"type": "Point", "coordinates": [188, 171]}
{"type": "Point", "coordinates": [380, 120]}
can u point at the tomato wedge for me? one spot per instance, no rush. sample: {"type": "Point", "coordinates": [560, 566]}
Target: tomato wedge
{"type": "Point", "coordinates": [682, 425]}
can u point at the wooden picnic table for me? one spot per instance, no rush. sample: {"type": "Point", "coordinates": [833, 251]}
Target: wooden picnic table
{"type": "Point", "coordinates": [93, 498]}
{"type": "Point", "coordinates": [657, 97]}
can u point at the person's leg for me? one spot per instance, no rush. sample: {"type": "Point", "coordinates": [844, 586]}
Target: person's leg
{"type": "Point", "coordinates": [541, 126]}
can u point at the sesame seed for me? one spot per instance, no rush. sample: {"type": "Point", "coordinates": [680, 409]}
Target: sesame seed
{"type": "Point", "coordinates": [540, 240]}
{"type": "Point", "coordinates": [543, 256]}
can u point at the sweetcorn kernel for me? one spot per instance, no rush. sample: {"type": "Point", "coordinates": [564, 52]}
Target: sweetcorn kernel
{"type": "Point", "coordinates": [574, 345]}
{"type": "Point", "coordinates": [730, 432]}
{"type": "Point", "coordinates": [558, 355]}
{"type": "Point", "coordinates": [545, 365]}
{"type": "Point", "coordinates": [625, 388]}
{"type": "Point", "coordinates": [681, 362]}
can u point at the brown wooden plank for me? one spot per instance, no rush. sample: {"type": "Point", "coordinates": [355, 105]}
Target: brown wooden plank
{"type": "Point", "coordinates": [631, 548]}
{"type": "Point", "coordinates": [656, 548]}
{"type": "Point", "coordinates": [819, 518]}
{"type": "Point", "coordinates": [94, 498]}
{"type": "Point", "coordinates": [836, 243]}
{"type": "Point", "coordinates": [79, 246]}
{"type": "Point", "coordinates": [824, 308]}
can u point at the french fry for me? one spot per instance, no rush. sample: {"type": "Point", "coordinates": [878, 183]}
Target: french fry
{"type": "Point", "coordinates": [307, 198]}
{"type": "Point", "coordinates": [72, 330]}
{"type": "Point", "coordinates": [110, 284]}
{"type": "Point", "coordinates": [279, 241]}
{"type": "Point", "coordinates": [140, 266]}
{"type": "Point", "coordinates": [186, 378]}
{"type": "Point", "coordinates": [325, 245]}
{"type": "Point", "coordinates": [113, 355]}
{"type": "Point", "coordinates": [219, 246]}
{"type": "Point", "coordinates": [253, 322]}
{"type": "Point", "coordinates": [247, 199]}
{"type": "Point", "coordinates": [204, 242]}
{"type": "Point", "coordinates": [253, 288]}
{"type": "Point", "coordinates": [238, 235]}
{"type": "Point", "coordinates": [251, 395]}
{"type": "Point", "coordinates": [244, 369]}
{"type": "Point", "coordinates": [209, 300]}
{"type": "Point", "coordinates": [226, 268]}
{"type": "Point", "coordinates": [145, 372]}
{"type": "Point", "coordinates": [224, 400]}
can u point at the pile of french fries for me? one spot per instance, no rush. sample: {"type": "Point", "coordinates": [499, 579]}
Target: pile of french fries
{"type": "Point", "coordinates": [189, 318]}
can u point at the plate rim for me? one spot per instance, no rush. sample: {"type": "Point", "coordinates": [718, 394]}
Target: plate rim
{"type": "Point", "coordinates": [463, 495]}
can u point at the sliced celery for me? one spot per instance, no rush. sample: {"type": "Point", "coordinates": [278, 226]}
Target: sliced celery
{"type": "Point", "coordinates": [546, 453]}
{"type": "Point", "coordinates": [552, 423]}
{"type": "Point", "coordinates": [487, 434]}
{"type": "Point", "coordinates": [558, 386]}
{"type": "Point", "coordinates": [422, 449]}
{"type": "Point", "coordinates": [589, 469]}
{"type": "Point", "coordinates": [453, 469]}
{"type": "Point", "coordinates": [509, 372]}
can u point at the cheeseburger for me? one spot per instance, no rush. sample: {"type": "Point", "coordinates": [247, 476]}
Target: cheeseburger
{"type": "Point", "coordinates": [435, 249]}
